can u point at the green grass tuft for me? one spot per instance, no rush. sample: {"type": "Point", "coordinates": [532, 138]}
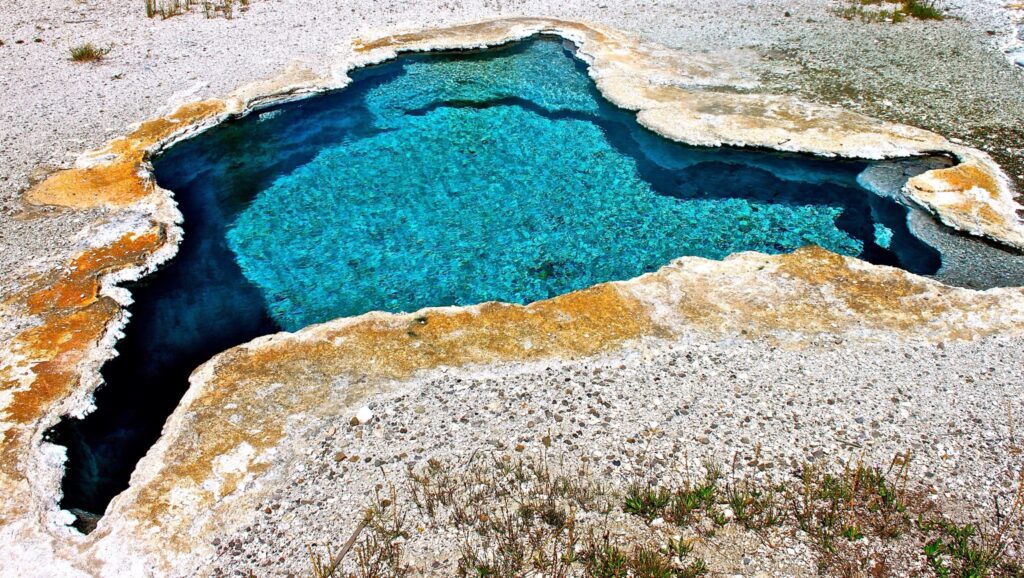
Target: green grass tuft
{"type": "Point", "coordinates": [895, 11]}
{"type": "Point", "coordinates": [922, 10]}
{"type": "Point", "coordinates": [88, 52]}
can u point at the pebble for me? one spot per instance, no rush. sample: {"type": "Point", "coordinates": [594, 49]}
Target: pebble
{"type": "Point", "coordinates": [364, 415]}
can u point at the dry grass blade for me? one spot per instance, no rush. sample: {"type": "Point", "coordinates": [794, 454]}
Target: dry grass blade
{"type": "Point", "coordinates": [523, 515]}
{"type": "Point", "coordinates": [211, 8]}
{"type": "Point", "coordinates": [326, 570]}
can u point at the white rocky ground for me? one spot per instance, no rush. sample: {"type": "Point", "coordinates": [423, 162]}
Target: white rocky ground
{"type": "Point", "coordinates": [656, 410]}
{"type": "Point", "coordinates": [955, 405]}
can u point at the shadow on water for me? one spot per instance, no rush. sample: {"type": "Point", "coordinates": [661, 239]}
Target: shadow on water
{"type": "Point", "coordinates": [202, 303]}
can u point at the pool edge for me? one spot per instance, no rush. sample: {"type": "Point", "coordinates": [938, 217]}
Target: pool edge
{"type": "Point", "coordinates": [55, 364]}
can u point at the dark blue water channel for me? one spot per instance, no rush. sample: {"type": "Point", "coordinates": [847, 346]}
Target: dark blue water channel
{"type": "Point", "coordinates": [440, 179]}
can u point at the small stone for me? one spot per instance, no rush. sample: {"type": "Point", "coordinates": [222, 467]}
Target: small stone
{"type": "Point", "coordinates": [363, 415]}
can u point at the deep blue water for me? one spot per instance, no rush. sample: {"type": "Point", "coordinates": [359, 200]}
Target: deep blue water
{"type": "Point", "coordinates": [437, 180]}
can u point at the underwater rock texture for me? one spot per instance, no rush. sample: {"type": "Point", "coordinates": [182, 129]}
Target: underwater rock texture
{"type": "Point", "coordinates": [659, 84]}
{"type": "Point", "coordinates": [235, 433]}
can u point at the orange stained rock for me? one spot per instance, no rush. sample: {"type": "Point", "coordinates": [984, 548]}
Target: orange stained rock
{"type": "Point", "coordinates": [881, 296]}
{"type": "Point", "coordinates": [960, 178]}
{"type": "Point", "coordinates": [79, 285]}
{"type": "Point", "coordinates": [394, 347]}
{"type": "Point", "coordinates": [948, 192]}
{"type": "Point", "coordinates": [156, 130]}
{"type": "Point", "coordinates": [293, 375]}
{"type": "Point", "coordinates": [45, 367]}
{"type": "Point", "coordinates": [405, 40]}
{"type": "Point", "coordinates": [52, 352]}
{"type": "Point", "coordinates": [118, 181]}
{"type": "Point", "coordinates": [814, 291]}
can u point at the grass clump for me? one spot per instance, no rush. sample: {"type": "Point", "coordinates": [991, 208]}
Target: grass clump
{"type": "Point", "coordinates": [211, 8]}
{"type": "Point", "coordinates": [377, 543]}
{"type": "Point", "coordinates": [167, 8]}
{"type": "Point", "coordinates": [522, 516]}
{"type": "Point", "coordinates": [922, 10]}
{"type": "Point", "coordinates": [894, 11]}
{"type": "Point", "coordinates": [646, 502]}
{"type": "Point", "coordinates": [88, 52]}
{"type": "Point", "coordinates": [966, 550]}
{"type": "Point", "coordinates": [861, 501]}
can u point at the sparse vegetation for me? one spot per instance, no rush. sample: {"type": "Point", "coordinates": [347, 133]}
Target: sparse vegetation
{"type": "Point", "coordinates": [922, 10]}
{"type": "Point", "coordinates": [377, 541]}
{"type": "Point", "coordinates": [894, 11]}
{"type": "Point", "coordinates": [211, 8]}
{"type": "Point", "coordinates": [88, 52]}
{"type": "Point", "coordinates": [523, 516]}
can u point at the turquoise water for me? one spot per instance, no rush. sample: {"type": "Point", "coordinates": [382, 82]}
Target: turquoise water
{"type": "Point", "coordinates": [437, 180]}
{"type": "Point", "coordinates": [504, 176]}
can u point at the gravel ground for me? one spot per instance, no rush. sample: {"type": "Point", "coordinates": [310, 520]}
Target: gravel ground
{"type": "Point", "coordinates": [947, 76]}
{"type": "Point", "coordinates": [951, 404]}
{"type": "Point", "coordinates": [658, 409]}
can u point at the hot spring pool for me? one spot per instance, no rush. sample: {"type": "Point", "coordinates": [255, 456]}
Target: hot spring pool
{"type": "Point", "coordinates": [441, 179]}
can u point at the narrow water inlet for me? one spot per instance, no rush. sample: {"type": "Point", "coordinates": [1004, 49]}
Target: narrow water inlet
{"type": "Point", "coordinates": [441, 179]}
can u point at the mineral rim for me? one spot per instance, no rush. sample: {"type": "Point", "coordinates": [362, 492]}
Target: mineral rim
{"type": "Point", "coordinates": [232, 437]}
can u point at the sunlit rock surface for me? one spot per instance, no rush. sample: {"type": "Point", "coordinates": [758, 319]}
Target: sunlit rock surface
{"type": "Point", "coordinates": [204, 475]}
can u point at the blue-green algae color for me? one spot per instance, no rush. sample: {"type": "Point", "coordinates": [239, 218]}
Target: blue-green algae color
{"type": "Point", "coordinates": [441, 179]}
{"type": "Point", "coordinates": [504, 176]}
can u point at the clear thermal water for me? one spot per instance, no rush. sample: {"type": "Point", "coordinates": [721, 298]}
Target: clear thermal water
{"type": "Point", "coordinates": [441, 179]}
